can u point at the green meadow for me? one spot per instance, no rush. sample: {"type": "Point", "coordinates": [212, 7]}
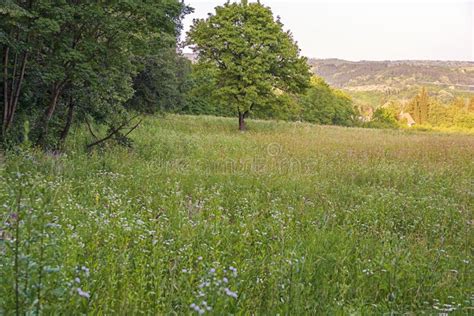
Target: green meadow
{"type": "Point", "coordinates": [199, 218]}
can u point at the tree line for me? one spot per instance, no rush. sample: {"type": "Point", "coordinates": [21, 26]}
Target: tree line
{"type": "Point", "coordinates": [101, 66]}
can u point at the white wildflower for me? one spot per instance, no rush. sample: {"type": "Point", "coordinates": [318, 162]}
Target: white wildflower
{"type": "Point", "coordinates": [83, 293]}
{"type": "Point", "coordinates": [230, 293]}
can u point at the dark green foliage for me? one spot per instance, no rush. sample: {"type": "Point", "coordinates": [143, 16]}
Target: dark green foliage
{"type": "Point", "coordinates": [65, 61]}
{"type": "Point", "coordinates": [162, 84]}
{"type": "Point", "coordinates": [200, 99]}
{"type": "Point", "coordinates": [323, 105]}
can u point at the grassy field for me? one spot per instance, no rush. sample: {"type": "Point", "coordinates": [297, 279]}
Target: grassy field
{"type": "Point", "coordinates": [287, 218]}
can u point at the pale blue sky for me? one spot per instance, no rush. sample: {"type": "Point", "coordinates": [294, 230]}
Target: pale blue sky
{"type": "Point", "coordinates": [372, 30]}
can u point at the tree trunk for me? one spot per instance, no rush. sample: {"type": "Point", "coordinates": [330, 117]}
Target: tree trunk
{"type": "Point", "coordinates": [242, 126]}
{"type": "Point", "coordinates": [11, 92]}
{"type": "Point", "coordinates": [5, 90]}
{"type": "Point", "coordinates": [67, 127]}
{"type": "Point", "coordinates": [44, 124]}
{"type": "Point", "coordinates": [14, 99]}
{"type": "Point", "coordinates": [242, 117]}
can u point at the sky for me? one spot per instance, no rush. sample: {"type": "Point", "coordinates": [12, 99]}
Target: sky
{"type": "Point", "coordinates": [372, 30]}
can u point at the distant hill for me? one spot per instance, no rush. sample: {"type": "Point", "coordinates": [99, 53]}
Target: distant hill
{"type": "Point", "coordinates": [373, 82]}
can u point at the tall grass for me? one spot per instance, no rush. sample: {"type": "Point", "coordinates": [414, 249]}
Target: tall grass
{"type": "Point", "coordinates": [287, 218]}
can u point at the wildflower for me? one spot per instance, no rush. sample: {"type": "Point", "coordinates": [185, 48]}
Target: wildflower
{"type": "Point", "coordinates": [184, 270]}
{"type": "Point", "coordinates": [53, 225]}
{"type": "Point", "coordinates": [83, 293]}
{"type": "Point", "coordinates": [51, 269]}
{"type": "Point", "coordinates": [212, 270]}
{"type": "Point", "coordinates": [85, 269]}
{"type": "Point", "coordinates": [225, 280]}
{"type": "Point", "coordinates": [230, 293]}
{"type": "Point", "coordinates": [77, 280]}
{"type": "Point", "coordinates": [207, 307]}
{"type": "Point", "coordinates": [197, 308]}
{"type": "Point", "coordinates": [234, 271]}
{"type": "Point", "coordinates": [368, 271]}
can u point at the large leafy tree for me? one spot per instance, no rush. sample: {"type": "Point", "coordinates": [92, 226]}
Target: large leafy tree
{"type": "Point", "coordinates": [256, 61]}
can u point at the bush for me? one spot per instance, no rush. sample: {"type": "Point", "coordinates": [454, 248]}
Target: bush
{"type": "Point", "coordinates": [383, 118]}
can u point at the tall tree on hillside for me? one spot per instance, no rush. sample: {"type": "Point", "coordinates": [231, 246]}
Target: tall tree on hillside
{"type": "Point", "coordinates": [424, 105]}
{"type": "Point", "coordinates": [255, 60]}
{"type": "Point", "coordinates": [419, 107]}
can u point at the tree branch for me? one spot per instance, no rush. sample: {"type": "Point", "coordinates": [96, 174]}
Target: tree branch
{"type": "Point", "coordinates": [89, 127]}
{"type": "Point", "coordinates": [5, 87]}
{"type": "Point", "coordinates": [114, 132]}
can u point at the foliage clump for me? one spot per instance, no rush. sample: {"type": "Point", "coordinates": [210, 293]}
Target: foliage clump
{"type": "Point", "coordinates": [324, 105]}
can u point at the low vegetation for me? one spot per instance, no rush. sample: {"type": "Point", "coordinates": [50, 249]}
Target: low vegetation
{"type": "Point", "coordinates": [287, 218]}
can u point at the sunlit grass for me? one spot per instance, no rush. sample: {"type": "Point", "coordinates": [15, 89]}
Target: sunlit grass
{"type": "Point", "coordinates": [286, 218]}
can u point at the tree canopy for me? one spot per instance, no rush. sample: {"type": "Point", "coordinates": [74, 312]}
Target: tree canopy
{"type": "Point", "coordinates": [70, 60]}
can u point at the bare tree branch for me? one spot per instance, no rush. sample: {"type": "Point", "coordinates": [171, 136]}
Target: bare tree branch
{"type": "Point", "coordinates": [114, 132]}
